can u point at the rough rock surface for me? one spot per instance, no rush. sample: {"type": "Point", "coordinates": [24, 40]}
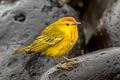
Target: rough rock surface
{"type": "Point", "coordinates": [100, 65]}
{"type": "Point", "coordinates": [108, 28]}
{"type": "Point", "coordinates": [91, 17]}
{"type": "Point", "coordinates": [92, 14]}
{"type": "Point", "coordinates": [110, 24]}
{"type": "Point", "coordinates": [20, 23]}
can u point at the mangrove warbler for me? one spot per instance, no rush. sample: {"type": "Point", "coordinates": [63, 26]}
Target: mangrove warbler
{"type": "Point", "coordinates": [56, 40]}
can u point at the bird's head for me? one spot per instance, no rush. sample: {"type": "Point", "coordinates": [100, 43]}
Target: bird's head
{"type": "Point", "coordinates": [67, 22]}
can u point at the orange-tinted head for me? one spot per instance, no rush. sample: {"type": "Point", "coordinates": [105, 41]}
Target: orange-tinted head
{"type": "Point", "coordinates": [70, 19]}
{"type": "Point", "coordinates": [67, 22]}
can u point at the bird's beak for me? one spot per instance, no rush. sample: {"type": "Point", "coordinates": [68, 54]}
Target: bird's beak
{"type": "Point", "coordinates": [77, 23]}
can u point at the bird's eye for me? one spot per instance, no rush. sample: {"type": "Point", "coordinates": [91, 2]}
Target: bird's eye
{"type": "Point", "coordinates": [67, 24]}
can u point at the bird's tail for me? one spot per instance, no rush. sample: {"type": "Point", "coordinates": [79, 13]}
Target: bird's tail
{"type": "Point", "coordinates": [19, 51]}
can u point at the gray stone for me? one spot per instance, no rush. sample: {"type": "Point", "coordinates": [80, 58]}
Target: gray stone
{"type": "Point", "coordinates": [108, 29]}
{"type": "Point", "coordinates": [99, 65]}
{"type": "Point", "coordinates": [91, 17]}
{"type": "Point", "coordinates": [21, 22]}
{"type": "Point", "coordinates": [96, 10]}
{"type": "Point", "coordinates": [110, 24]}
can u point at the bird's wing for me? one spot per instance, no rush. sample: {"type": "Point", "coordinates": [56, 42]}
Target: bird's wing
{"type": "Point", "coordinates": [46, 40]}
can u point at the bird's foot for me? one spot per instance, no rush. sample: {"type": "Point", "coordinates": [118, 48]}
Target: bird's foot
{"type": "Point", "coordinates": [65, 66]}
{"type": "Point", "coordinates": [69, 60]}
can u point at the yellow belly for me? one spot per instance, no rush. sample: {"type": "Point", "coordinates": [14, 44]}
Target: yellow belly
{"type": "Point", "coordinates": [59, 49]}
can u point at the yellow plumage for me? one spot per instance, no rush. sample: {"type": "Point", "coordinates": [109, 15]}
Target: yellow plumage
{"type": "Point", "coordinates": [56, 40]}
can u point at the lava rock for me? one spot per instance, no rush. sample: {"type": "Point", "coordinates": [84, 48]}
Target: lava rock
{"type": "Point", "coordinates": [92, 14]}
{"type": "Point", "coordinates": [110, 24]}
{"type": "Point", "coordinates": [21, 22]}
{"type": "Point", "coordinates": [108, 29]}
{"type": "Point", "coordinates": [99, 65]}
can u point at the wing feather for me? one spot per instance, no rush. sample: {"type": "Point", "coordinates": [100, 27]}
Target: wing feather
{"type": "Point", "coordinates": [48, 38]}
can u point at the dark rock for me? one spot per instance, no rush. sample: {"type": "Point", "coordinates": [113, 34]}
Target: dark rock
{"type": "Point", "coordinates": [99, 65]}
{"type": "Point", "coordinates": [21, 22]}
{"type": "Point", "coordinates": [95, 10]}
{"type": "Point", "coordinates": [108, 29]}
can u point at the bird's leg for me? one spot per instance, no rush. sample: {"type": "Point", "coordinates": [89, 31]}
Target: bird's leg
{"type": "Point", "coordinates": [56, 61]}
{"type": "Point", "coordinates": [63, 66]}
{"type": "Point", "coordinates": [68, 60]}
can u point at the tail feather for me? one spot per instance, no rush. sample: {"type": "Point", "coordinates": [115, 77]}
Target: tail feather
{"type": "Point", "coordinates": [19, 51]}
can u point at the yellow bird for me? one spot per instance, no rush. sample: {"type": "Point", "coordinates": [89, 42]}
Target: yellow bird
{"type": "Point", "coordinates": [56, 40]}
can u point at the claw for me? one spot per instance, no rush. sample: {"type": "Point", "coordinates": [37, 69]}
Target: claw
{"type": "Point", "coordinates": [68, 60]}
{"type": "Point", "coordinates": [65, 66]}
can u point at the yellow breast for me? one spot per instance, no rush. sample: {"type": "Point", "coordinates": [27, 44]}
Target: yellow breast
{"type": "Point", "coordinates": [64, 46]}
